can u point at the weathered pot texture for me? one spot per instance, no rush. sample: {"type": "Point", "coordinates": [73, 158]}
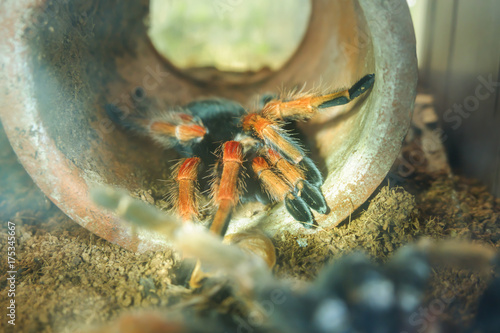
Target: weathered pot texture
{"type": "Point", "coordinates": [61, 62]}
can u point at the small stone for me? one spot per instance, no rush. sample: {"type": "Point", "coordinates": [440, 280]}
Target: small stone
{"type": "Point", "coordinates": [86, 257]}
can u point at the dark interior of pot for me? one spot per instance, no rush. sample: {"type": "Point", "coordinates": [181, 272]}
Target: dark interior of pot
{"type": "Point", "coordinates": [84, 54]}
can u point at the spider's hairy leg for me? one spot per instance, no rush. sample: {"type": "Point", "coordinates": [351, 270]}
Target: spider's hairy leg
{"type": "Point", "coordinates": [279, 190]}
{"type": "Point", "coordinates": [274, 136]}
{"type": "Point", "coordinates": [296, 178]}
{"type": "Point", "coordinates": [306, 107]}
{"type": "Point", "coordinates": [181, 127]}
{"type": "Point", "coordinates": [167, 127]}
{"type": "Point", "coordinates": [226, 194]}
{"type": "Point", "coordinates": [186, 190]}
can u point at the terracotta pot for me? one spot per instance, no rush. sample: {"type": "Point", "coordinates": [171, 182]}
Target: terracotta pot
{"type": "Point", "coordinates": [62, 62]}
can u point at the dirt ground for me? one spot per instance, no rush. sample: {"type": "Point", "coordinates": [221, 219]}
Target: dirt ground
{"type": "Point", "coordinates": [71, 280]}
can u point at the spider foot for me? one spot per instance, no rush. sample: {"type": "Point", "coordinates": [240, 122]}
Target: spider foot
{"type": "Point", "coordinates": [361, 86]}
{"type": "Point", "coordinates": [297, 207]}
{"type": "Point", "coordinates": [287, 184]}
{"type": "Point", "coordinates": [297, 178]}
{"type": "Point", "coordinates": [311, 171]}
{"type": "Point", "coordinates": [344, 97]}
{"type": "Point", "coordinates": [313, 197]}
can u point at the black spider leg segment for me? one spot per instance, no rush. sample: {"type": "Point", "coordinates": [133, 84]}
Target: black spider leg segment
{"type": "Point", "coordinates": [299, 210]}
{"type": "Point", "coordinates": [314, 198]}
{"type": "Point", "coordinates": [296, 178]}
{"type": "Point", "coordinates": [312, 173]}
{"type": "Point", "coordinates": [355, 91]}
{"type": "Point", "coordinates": [278, 189]}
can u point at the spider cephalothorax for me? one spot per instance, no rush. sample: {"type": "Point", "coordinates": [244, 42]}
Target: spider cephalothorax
{"type": "Point", "coordinates": [219, 137]}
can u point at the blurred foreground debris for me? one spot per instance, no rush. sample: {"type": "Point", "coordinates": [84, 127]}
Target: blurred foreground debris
{"type": "Point", "coordinates": [353, 294]}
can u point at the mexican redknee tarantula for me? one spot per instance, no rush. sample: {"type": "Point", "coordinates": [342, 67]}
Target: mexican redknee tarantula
{"type": "Point", "coordinates": [220, 137]}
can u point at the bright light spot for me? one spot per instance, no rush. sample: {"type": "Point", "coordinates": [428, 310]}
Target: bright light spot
{"type": "Point", "coordinates": [230, 35]}
{"type": "Point", "coordinates": [411, 3]}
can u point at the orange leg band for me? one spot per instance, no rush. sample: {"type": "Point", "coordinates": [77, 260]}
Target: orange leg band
{"type": "Point", "coordinates": [273, 184]}
{"type": "Point", "coordinates": [227, 195]}
{"type": "Point", "coordinates": [302, 108]}
{"type": "Point", "coordinates": [186, 180]}
{"type": "Point", "coordinates": [289, 171]}
{"type": "Point", "coordinates": [270, 133]}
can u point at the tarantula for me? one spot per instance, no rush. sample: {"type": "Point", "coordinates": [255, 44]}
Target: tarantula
{"type": "Point", "coordinates": [220, 137]}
